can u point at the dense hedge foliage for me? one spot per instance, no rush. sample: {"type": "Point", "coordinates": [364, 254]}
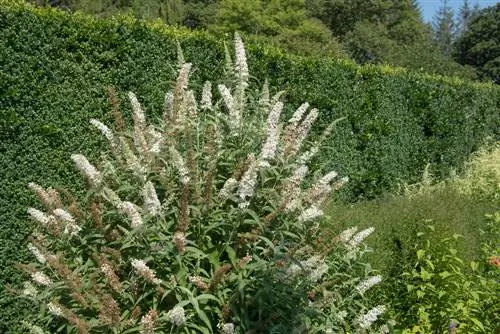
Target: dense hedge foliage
{"type": "Point", "coordinates": [56, 67]}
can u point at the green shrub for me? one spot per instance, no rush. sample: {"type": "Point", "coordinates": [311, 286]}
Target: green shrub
{"type": "Point", "coordinates": [443, 290]}
{"type": "Point", "coordinates": [203, 219]}
{"type": "Point", "coordinates": [56, 69]}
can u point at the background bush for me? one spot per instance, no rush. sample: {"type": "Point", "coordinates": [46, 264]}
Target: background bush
{"type": "Point", "coordinates": [56, 68]}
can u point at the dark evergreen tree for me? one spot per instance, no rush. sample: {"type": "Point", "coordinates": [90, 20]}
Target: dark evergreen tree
{"type": "Point", "coordinates": [444, 28]}
{"type": "Point", "coordinates": [479, 46]}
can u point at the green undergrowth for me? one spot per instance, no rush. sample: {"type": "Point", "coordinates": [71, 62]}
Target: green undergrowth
{"type": "Point", "coordinates": [455, 206]}
{"type": "Point", "coordinates": [433, 244]}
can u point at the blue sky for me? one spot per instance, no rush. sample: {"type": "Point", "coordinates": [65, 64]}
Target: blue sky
{"type": "Point", "coordinates": [429, 7]}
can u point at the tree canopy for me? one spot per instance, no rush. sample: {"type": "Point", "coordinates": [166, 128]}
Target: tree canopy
{"type": "Point", "coordinates": [367, 31]}
{"type": "Point", "coordinates": [479, 46]}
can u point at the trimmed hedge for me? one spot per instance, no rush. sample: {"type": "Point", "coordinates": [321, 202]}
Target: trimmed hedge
{"type": "Point", "coordinates": [55, 68]}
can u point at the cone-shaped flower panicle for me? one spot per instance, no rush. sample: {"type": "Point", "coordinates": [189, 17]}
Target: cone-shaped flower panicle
{"type": "Point", "coordinates": [297, 115]}
{"type": "Point", "coordinates": [269, 148]}
{"type": "Point", "coordinates": [168, 106]}
{"type": "Point", "coordinates": [310, 214]}
{"type": "Point", "coordinates": [292, 189]}
{"type": "Point", "coordinates": [206, 96]}
{"type": "Point", "coordinates": [39, 216]}
{"type": "Point", "coordinates": [366, 320]}
{"type": "Point", "coordinates": [198, 282]}
{"type": "Point", "coordinates": [248, 181]}
{"type": "Point", "coordinates": [130, 158]}
{"type": "Point", "coordinates": [152, 204]}
{"type": "Point", "coordinates": [144, 271]}
{"type": "Point", "coordinates": [241, 60]}
{"type": "Point", "coordinates": [87, 169]}
{"type": "Point", "coordinates": [228, 188]}
{"type": "Point", "coordinates": [180, 165]}
{"type": "Point", "coordinates": [368, 283]}
{"type": "Point", "coordinates": [40, 278]}
{"type": "Point", "coordinates": [104, 130]}
{"type": "Point", "coordinates": [148, 322]}
{"type": "Point", "coordinates": [303, 130]}
{"type": "Point", "coordinates": [36, 252]}
{"type": "Point", "coordinates": [130, 210]}
{"type": "Point", "coordinates": [140, 142]}
{"type": "Point", "coordinates": [64, 216]}
{"type": "Point", "coordinates": [227, 328]}
{"type": "Point", "coordinates": [234, 113]}
{"type": "Point", "coordinates": [137, 112]}
{"type": "Point", "coordinates": [358, 238]}
{"type": "Point", "coordinates": [70, 227]}
{"type": "Point", "coordinates": [180, 87]}
{"type": "Point", "coordinates": [190, 105]}
{"type": "Point", "coordinates": [29, 290]}
{"type": "Point", "coordinates": [176, 316]}
{"type": "Point", "coordinates": [180, 241]}
{"type": "Point", "coordinates": [55, 309]}
{"type": "Point", "coordinates": [346, 235]}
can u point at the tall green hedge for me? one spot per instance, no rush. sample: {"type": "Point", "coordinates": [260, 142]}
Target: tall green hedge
{"type": "Point", "coordinates": [55, 68]}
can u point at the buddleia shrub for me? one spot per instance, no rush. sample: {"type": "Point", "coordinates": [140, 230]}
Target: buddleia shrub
{"type": "Point", "coordinates": [204, 220]}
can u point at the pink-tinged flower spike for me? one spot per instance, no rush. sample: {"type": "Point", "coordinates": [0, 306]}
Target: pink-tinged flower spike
{"type": "Point", "coordinates": [292, 188]}
{"type": "Point", "coordinates": [269, 148]}
{"type": "Point", "coordinates": [152, 204]}
{"type": "Point", "coordinates": [137, 112]}
{"type": "Point", "coordinates": [180, 241]}
{"type": "Point", "coordinates": [148, 322]}
{"type": "Point", "coordinates": [41, 193]}
{"type": "Point", "coordinates": [87, 169]}
{"type": "Point", "coordinates": [129, 209]}
{"type": "Point", "coordinates": [144, 271]}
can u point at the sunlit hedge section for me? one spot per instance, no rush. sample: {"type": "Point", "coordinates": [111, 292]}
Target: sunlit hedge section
{"type": "Point", "coordinates": [56, 67]}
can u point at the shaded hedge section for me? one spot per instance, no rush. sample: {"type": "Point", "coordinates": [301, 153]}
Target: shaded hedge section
{"type": "Point", "coordinates": [55, 69]}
